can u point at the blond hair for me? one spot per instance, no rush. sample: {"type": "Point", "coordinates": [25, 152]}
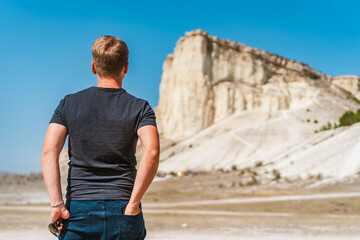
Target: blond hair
{"type": "Point", "coordinates": [110, 54]}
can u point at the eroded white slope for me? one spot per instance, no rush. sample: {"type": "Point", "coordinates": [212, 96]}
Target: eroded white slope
{"type": "Point", "coordinates": [283, 140]}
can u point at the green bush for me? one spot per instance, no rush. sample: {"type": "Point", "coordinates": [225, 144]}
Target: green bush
{"type": "Point", "coordinates": [219, 170]}
{"type": "Point", "coordinates": [319, 177]}
{"type": "Point", "coordinates": [349, 118]}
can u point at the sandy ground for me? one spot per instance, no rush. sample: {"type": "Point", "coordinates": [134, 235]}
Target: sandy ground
{"type": "Point", "coordinates": [209, 206]}
{"type": "Point", "coordinates": [38, 234]}
{"type": "Point", "coordinates": [248, 218]}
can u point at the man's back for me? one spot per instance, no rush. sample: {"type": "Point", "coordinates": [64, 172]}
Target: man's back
{"type": "Point", "coordinates": [102, 125]}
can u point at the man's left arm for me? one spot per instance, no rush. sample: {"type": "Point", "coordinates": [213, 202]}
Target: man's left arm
{"type": "Point", "coordinates": [53, 144]}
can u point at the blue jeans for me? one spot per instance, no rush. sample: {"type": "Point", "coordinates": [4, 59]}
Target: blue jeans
{"type": "Point", "coordinates": [102, 220]}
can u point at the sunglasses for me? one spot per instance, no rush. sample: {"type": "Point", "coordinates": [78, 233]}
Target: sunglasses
{"type": "Point", "coordinates": [53, 228]}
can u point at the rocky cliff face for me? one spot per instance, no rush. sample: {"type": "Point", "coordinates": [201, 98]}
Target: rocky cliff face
{"type": "Point", "coordinates": [207, 79]}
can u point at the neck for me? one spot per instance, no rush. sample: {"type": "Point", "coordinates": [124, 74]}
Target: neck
{"type": "Point", "coordinates": [109, 82]}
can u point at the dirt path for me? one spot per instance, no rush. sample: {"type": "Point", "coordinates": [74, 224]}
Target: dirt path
{"type": "Point", "coordinates": [258, 199]}
{"type": "Point", "coordinates": [189, 212]}
{"type": "Point", "coordinates": [212, 202]}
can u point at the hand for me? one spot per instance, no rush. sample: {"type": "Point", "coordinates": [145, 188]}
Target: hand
{"type": "Point", "coordinates": [132, 209]}
{"type": "Point", "coordinates": [58, 214]}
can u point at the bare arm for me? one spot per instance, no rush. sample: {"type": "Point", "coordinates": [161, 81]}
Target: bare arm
{"type": "Point", "coordinates": [53, 144]}
{"type": "Point", "coordinates": [148, 166]}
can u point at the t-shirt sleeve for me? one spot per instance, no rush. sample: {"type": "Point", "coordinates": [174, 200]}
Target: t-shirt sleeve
{"type": "Point", "coordinates": [147, 116]}
{"type": "Point", "coordinates": [59, 114]}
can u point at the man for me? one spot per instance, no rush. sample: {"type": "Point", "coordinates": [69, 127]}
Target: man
{"type": "Point", "coordinates": [104, 191]}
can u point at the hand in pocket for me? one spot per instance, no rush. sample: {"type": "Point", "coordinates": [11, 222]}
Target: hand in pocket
{"type": "Point", "coordinates": [132, 209]}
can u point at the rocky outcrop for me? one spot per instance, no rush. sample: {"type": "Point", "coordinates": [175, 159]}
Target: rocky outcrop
{"type": "Point", "coordinates": [207, 79]}
{"type": "Point", "coordinates": [349, 83]}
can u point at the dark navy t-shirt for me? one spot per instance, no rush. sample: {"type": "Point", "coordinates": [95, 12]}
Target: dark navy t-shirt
{"type": "Point", "coordinates": [102, 125]}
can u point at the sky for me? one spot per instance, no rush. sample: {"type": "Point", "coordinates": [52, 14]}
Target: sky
{"type": "Point", "coordinates": [45, 50]}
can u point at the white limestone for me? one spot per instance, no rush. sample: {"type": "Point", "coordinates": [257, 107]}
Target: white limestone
{"type": "Point", "coordinates": [207, 79]}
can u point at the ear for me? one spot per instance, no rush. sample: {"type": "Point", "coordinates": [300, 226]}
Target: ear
{"type": "Point", "coordinates": [126, 67]}
{"type": "Point", "coordinates": [93, 68]}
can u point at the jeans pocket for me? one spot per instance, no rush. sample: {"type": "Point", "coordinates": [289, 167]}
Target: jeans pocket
{"type": "Point", "coordinates": [131, 226]}
{"type": "Point", "coordinates": [64, 229]}
{"type": "Point", "coordinates": [137, 215]}
{"type": "Point", "coordinates": [77, 226]}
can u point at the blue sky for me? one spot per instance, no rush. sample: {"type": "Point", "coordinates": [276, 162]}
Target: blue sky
{"type": "Point", "coordinates": [46, 50]}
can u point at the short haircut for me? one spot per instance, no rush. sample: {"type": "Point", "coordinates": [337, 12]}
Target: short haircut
{"type": "Point", "coordinates": [110, 54]}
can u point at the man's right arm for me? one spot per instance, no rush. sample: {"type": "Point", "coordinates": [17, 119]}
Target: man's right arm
{"type": "Point", "coordinates": [149, 138]}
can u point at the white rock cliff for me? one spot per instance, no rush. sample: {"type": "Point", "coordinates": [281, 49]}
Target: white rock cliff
{"type": "Point", "coordinates": [207, 79]}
